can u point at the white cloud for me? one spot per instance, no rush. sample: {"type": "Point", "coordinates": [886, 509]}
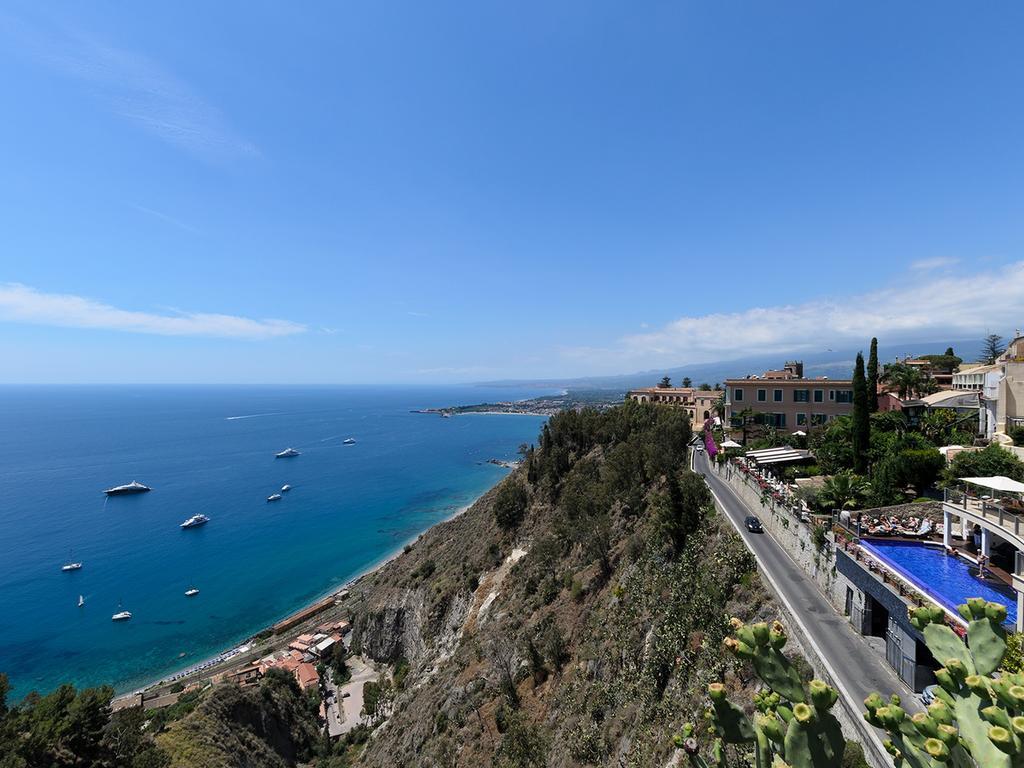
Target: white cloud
{"type": "Point", "coordinates": [134, 87]}
{"type": "Point", "coordinates": [23, 304]}
{"type": "Point", "coordinates": [938, 262]}
{"type": "Point", "coordinates": [922, 307]}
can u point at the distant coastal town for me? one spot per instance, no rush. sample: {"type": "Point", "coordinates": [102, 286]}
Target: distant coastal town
{"type": "Point", "coordinates": [546, 405]}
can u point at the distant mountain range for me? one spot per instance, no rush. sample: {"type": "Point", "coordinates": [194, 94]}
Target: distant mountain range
{"type": "Point", "coordinates": [836, 364]}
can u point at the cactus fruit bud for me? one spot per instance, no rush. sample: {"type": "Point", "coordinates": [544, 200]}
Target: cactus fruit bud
{"type": "Point", "coordinates": [1016, 693]}
{"type": "Point", "coordinates": [1017, 724]}
{"type": "Point", "coordinates": [716, 691]}
{"type": "Point", "coordinates": [822, 695]}
{"type": "Point", "coordinates": [772, 728]}
{"type": "Point", "coordinates": [948, 734]}
{"type": "Point", "coordinates": [735, 623]}
{"type": "Point", "coordinates": [937, 750]}
{"type": "Point", "coordinates": [777, 636]}
{"type": "Point", "coordinates": [803, 713]}
{"type": "Point", "coordinates": [995, 612]}
{"type": "Point", "coordinates": [976, 606]}
{"type": "Point", "coordinates": [925, 725]}
{"type": "Point", "coordinates": [940, 712]}
{"type": "Point", "coordinates": [996, 716]}
{"type": "Point", "coordinates": [945, 679]}
{"type": "Point", "coordinates": [761, 633]}
{"type": "Point", "coordinates": [1002, 738]}
{"type": "Point", "coordinates": [977, 684]}
{"type": "Point", "coordinates": [956, 668]}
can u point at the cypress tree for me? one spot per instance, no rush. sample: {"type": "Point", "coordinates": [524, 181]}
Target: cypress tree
{"type": "Point", "coordinates": [873, 377]}
{"type": "Point", "coordinates": [861, 418]}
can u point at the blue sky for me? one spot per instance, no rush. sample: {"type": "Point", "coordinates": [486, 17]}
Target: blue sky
{"type": "Point", "coordinates": [429, 192]}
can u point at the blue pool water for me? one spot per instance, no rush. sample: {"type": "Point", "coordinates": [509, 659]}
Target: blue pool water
{"type": "Point", "coordinates": [211, 450]}
{"type": "Point", "coordinates": [948, 580]}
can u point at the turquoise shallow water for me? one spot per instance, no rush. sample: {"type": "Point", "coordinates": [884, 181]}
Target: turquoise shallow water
{"type": "Point", "coordinates": [211, 450]}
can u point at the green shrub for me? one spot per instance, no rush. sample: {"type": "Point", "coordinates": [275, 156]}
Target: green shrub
{"type": "Point", "coordinates": [510, 504]}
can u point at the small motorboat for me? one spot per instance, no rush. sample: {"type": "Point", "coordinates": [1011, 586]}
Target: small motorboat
{"type": "Point", "coordinates": [121, 615]}
{"type": "Point", "coordinates": [287, 453]}
{"type": "Point", "coordinates": [285, 488]}
{"type": "Point", "coordinates": [274, 497]}
{"type": "Point", "coordinates": [195, 520]}
{"type": "Point", "coordinates": [191, 592]}
{"type": "Point", "coordinates": [70, 564]}
{"type": "Point", "coordinates": [349, 441]}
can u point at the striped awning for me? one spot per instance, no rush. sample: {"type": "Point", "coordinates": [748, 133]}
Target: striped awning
{"type": "Point", "coordinates": [778, 455]}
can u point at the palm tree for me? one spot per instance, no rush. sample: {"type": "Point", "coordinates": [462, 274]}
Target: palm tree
{"type": "Point", "coordinates": [843, 490]}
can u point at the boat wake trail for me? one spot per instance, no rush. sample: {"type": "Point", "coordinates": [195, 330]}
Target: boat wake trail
{"type": "Point", "coordinates": [252, 416]}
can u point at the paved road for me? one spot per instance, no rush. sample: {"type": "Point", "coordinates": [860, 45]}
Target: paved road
{"type": "Point", "coordinates": [857, 669]}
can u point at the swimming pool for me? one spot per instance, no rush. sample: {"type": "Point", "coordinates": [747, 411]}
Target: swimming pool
{"type": "Point", "coordinates": [947, 580]}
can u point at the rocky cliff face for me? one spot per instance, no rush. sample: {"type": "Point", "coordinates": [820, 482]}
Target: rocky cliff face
{"type": "Point", "coordinates": [582, 631]}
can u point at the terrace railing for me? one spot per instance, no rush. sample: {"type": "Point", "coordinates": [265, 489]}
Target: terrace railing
{"type": "Point", "coordinates": [988, 509]}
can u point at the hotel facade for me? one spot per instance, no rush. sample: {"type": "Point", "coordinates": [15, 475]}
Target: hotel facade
{"type": "Point", "coordinates": [785, 400]}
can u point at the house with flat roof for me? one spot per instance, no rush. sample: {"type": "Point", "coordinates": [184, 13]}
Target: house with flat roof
{"type": "Point", "coordinates": [785, 400]}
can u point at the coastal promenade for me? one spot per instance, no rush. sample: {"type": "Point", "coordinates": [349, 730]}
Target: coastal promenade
{"type": "Point", "coordinates": [855, 667]}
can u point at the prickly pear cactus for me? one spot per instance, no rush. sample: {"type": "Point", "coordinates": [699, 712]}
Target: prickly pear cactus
{"type": "Point", "coordinates": [793, 726]}
{"type": "Point", "coordinates": [976, 719]}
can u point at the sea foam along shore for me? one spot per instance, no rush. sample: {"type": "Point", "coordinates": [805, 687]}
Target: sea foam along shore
{"type": "Point", "coordinates": [219, 661]}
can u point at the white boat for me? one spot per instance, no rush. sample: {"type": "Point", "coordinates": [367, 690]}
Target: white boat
{"type": "Point", "coordinates": [133, 487]}
{"type": "Point", "coordinates": [70, 565]}
{"type": "Point", "coordinates": [191, 592]}
{"type": "Point", "coordinates": [121, 614]}
{"type": "Point", "coordinates": [349, 441]}
{"type": "Point", "coordinates": [274, 497]}
{"type": "Point", "coordinates": [195, 520]}
{"type": "Point", "coordinates": [287, 453]}
{"type": "Point", "coordinates": [285, 488]}
{"type": "Point", "coordinates": [81, 601]}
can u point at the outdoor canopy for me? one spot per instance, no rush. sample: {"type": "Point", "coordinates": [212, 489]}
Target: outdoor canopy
{"type": "Point", "coordinates": [997, 483]}
{"type": "Point", "coordinates": [731, 444]}
{"type": "Point", "coordinates": [778, 455]}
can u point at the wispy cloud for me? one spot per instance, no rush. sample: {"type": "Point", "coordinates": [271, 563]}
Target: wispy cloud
{"type": "Point", "coordinates": [23, 304]}
{"type": "Point", "coordinates": [926, 307]}
{"type": "Point", "coordinates": [134, 87]}
{"type": "Point", "coordinates": [937, 262]}
{"type": "Point", "coordinates": [164, 217]}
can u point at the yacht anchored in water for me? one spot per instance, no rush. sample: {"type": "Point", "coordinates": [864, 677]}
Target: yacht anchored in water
{"type": "Point", "coordinates": [133, 487]}
{"type": "Point", "coordinates": [121, 615]}
{"type": "Point", "coordinates": [274, 497]}
{"type": "Point", "coordinates": [195, 520]}
{"type": "Point", "coordinates": [71, 564]}
{"type": "Point", "coordinates": [287, 453]}
{"type": "Point", "coordinates": [285, 488]}
{"type": "Point", "coordinates": [349, 441]}
{"type": "Point", "coordinates": [191, 592]}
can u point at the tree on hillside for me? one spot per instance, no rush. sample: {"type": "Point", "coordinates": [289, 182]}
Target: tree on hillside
{"type": "Point", "coordinates": [510, 504]}
{"type": "Point", "coordinates": [687, 381]}
{"type": "Point", "coordinates": [861, 418]}
{"type": "Point", "coordinates": [665, 382]}
{"type": "Point", "coordinates": [873, 376]}
{"type": "Point", "coordinates": [681, 509]}
{"type": "Point", "coordinates": [705, 387]}
{"type": "Point", "coordinates": [991, 348]}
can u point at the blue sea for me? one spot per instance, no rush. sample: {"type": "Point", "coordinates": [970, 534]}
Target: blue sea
{"type": "Point", "coordinates": [211, 450]}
